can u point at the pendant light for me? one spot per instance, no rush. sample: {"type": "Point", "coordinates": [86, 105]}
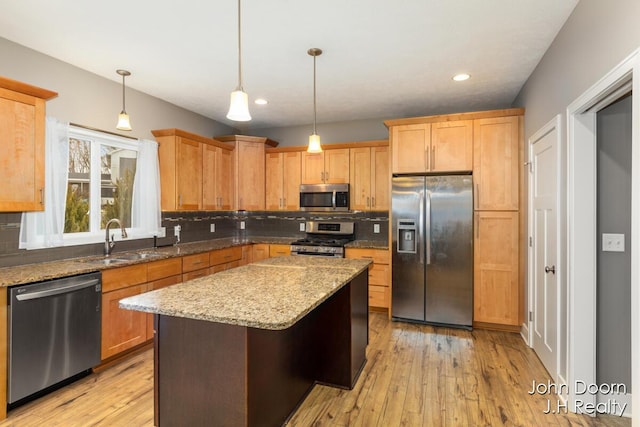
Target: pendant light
{"type": "Point", "coordinates": [239, 105]}
{"type": "Point", "coordinates": [314, 139]}
{"type": "Point", "coordinates": [123, 118]}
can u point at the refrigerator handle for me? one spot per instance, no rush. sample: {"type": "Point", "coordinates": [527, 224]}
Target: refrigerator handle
{"type": "Point", "coordinates": [420, 233]}
{"type": "Point", "coordinates": [427, 234]}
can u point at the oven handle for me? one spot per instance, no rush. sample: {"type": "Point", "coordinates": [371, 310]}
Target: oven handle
{"type": "Point", "coordinates": [316, 254]}
{"type": "Point", "coordinates": [57, 290]}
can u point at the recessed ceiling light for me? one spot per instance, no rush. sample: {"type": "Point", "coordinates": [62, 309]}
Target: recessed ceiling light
{"type": "Point", "coordinates": [261, 101]}
{"type": "Point", "coordinates": [461, 77]}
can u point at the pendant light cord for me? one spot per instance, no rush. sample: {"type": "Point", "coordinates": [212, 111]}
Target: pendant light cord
{"type": "Point", "coordinates": [239, 50]}
{"type": "Point", "coordinates": [314, 95]}
{"type": "Point", "coordinates": [123, 110]}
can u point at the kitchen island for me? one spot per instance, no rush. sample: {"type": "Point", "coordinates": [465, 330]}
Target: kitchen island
{"type": "Point", "coordinates": [243, 347]}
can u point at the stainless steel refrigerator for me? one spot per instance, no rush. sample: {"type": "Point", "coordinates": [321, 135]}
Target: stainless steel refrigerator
{"type": "Point", "coordinates": [432, 249]}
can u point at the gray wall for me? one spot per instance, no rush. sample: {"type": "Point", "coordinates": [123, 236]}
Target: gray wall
{"type": "Point", "coordinates": [330, 133]}
{"type": "Point", "coordinates": [90, 100]}
{"type": "Point", "coordinates": [597, 36]}
{"type": "Point", "coordinates": [614, 268]}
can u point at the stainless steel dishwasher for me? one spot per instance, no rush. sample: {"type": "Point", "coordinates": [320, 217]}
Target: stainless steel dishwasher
{"type": "Point", "coordinates": [54, 332]}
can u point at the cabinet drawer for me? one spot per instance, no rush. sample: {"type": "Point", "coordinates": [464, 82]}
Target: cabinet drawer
{"type": "Point", "coordinates": [378, 256]}
{"type": "Point", "coordinates": [379, 275]}
{"type": "Point", "coordinates": [222, 267]}
{"type": "Point", "coordinates": [225, 255]}
{"type": "Point", "coordinates": [163, 268]}
{"type": "Point", "coordinates": [378, 296]}
{"type": "Point", "coordinates": [195, 274]}
{"type": "Point", "coordinates": [118, 278]}
{"type": "Point", "coordinates": [279, 250]}
{"type": "Point", "coordinates": [195, 262]}
{"type": "Point", "coordinates": [164, 282]}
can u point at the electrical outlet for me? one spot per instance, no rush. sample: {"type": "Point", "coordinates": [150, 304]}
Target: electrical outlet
{"type": "Point", "coordinates": [176, 230]}
{"type": "Point", "coordinates": [212, 227]}
{"type": "Point", "coordinates": [376, 228]}
{"type": "Point", "coordinates": [162, 232]}
{"type": "Point", "coordinates": [612, 242]}
{"type": "Point", "coordinates": [303, 226]}
{"type": "Point", "coordinates": [242, 225]}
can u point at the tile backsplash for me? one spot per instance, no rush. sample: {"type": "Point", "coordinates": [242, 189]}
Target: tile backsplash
{"type": "Point", "coordinates": [195, 226]}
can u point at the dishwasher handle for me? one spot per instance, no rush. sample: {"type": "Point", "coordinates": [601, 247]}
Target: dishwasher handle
{"type": "Point", "coordinates": [57, 290]}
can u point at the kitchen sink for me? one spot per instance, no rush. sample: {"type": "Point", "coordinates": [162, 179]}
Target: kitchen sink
{"type": "Point", "coordinates": [121, 258]}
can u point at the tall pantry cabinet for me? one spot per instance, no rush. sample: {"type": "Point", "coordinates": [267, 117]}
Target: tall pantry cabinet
{"type": "Point", "coordinates": [489, 144]}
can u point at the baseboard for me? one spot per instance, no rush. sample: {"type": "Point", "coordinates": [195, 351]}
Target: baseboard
{"type": "Point", "coordinates": [524, 333]}
{"type": "Point", "coordinates": [497, 327]}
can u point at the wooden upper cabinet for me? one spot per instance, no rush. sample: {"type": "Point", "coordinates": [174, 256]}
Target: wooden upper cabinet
{"type": "Point", "coordinates": [283, 176]}
{"type": "Point", "coordinates": [433, 147]}
{"type": "Point", "coordinates": [22, 134]}
{"type": "Point", "coordinates": [452, 146]}
{"type": "Point", "coordinates": [410, 145]}
{"type": "Point", "coordinates": [496, 164]}
{"type": "Point", "coordinates": [196, 173]}
{"type": "Point", "coordinates": [217, 178]}
{"type": "Point", "coordinates": [329, 167]}
{"type": "Point", "coordinates": [249, 168]}
{"type": "Point", "coordinates": [369, 178]}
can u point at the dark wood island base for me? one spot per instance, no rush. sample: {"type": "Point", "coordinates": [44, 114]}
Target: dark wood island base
{"type": "Point", "coordinates": [209, 373]}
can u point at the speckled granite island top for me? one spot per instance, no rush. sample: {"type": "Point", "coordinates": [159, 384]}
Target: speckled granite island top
{"type": "Point", "coordinates": [270, 294]}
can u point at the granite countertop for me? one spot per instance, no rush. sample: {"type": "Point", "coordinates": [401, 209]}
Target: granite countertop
{"type": "Point", "coordinates": [367, 244]}
{"type": "Point", "coordinates": [270, 294]}
{"type": "Point", "coordinates": [37, 272]}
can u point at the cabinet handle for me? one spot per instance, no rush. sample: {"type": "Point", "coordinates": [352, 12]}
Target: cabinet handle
{"type": "Point", "coordinates": [426, 158]}
{"type": "Point", "coordinates": [368, 205]}
{"type": "Point", "coordinates": [477, 226]}
{"type": "Point", "coordinates": [284, 202]}
{"type": "Point", "coordinates": [433, 158]}
{"type": "Point", "coordinates": [373, 201]}
{"type": "Point", "coordinates": [42, 196]}
{"type": "Point", "coordinates": [322, 176]}
{"type": "Point", "coordinates": [180, 200]}
{"type": "Point", "coordinates": [326, 176]}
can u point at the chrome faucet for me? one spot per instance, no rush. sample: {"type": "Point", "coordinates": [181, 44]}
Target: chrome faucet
{"type": "Point", "coordinates": [108, 245]}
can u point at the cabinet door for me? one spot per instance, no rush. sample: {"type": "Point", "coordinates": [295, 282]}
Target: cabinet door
{"type": "Point", "coordinates": [336, 166]}
{"type": "Point", "coordinates": [210, 154]}
{"type": "Point", "coordinates": [312, 168]}
{"type": "Point", "coordinates": [292, 174]}
{"type": "Point", "coordinates": [380, 178]}
{"type": "Point", "coordinates": [189, 174]}
{"type": "Point", "coordinates": [360, 178]}
{"type": "Point", "coordinates": [410, 146]}
{"type": "Point", "coordinates": [21, 152]}
{"type": "Point", "coordinates": [260, 251]}
{"type": "Point", "coordinates": [452, 146]}
{"type": "Point", "coordinates": [274, 170]}
{"type": "Point", "coordinates": [121, 329]}
{"type": "Point", "coordinates": [224, 179]}
{"type": "Point", "coordinates": [159, 284]}
{"type": "Point", "coordinates": [250, 189]}
{"type": "Point", "coordinates": [495, 163]}
{"type": "Point", "coordinates": [496, 290]}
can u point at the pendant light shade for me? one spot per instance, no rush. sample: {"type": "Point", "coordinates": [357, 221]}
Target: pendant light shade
{"type": "Point", "coordinates": [314, 139]}
{"type": "Point", "coordinates": [123, 118]}
{"type": "Point", "coordinates": [239, 105]}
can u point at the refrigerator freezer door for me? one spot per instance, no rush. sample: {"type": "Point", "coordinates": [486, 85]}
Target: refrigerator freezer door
{"type": "Point", "coordinates": [449, 277]}
{"type": "Point", "coordinates": [408, 290]}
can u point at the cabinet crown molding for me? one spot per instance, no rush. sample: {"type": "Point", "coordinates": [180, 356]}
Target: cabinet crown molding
{"type": "Point", "coordinates": [456, 116]}
{"type": "Point", "coordinates": [195, 137]}
{"type": "Point", "coordinates": [247, 138]}
{"type": "Point", "coordinates": [16, 86]}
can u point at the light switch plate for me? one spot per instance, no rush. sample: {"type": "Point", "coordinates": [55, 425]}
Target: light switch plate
{"type": "Point", "coordinates": [241, 225]}
{"type": "Point", "coordinates": [212, 227]}
{"type": "Point", "coordinates": [376, 228]}
{"type": "Point", "coordinates": [302, 227]}
{"type": "Point", "coordinates": [612, 242]}
{"type": "Point", "coordinates": [176, 230]}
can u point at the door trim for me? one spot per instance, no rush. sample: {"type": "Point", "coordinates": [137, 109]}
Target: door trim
{"type": "Point", "coordinates": [581, 229]}
{"type": "Point", "coordinates": [554, 124]}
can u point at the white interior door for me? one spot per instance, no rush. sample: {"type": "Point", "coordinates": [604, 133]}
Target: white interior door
{"type": "Point", "coordinates": [544, 302]}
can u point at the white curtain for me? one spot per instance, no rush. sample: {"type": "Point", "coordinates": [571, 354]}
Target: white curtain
{"type": "Point", "coordinates": [45, 229]}
{"type": "Point", "coordinates": [145, 206]}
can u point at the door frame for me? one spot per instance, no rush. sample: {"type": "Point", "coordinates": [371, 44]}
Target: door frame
{"type": "Point", "coordinates": [554, 124]}
{"type": "Point", "coordinates": [581, 227]}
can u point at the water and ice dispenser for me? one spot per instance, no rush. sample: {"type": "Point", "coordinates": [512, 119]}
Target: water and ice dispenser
{"type": "Point", "coordinates": [407, 237]}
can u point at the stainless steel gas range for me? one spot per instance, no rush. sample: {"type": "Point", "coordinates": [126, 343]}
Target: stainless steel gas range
{"type": "Point", "coordinates": [324, 238]}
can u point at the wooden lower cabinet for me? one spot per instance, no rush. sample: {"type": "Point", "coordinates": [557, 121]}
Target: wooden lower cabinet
{"type": "Point", "coordinates": [279, 250]}
{"type": "Point", "coordinates": [379, 274]}
{"type": "Point", "coordinates": [159, 284]}
{"type": "Point", "coordinates": [259, 251]}
{"type": "Point", "coordinates": [121, 329]}
{"type": "Point", "coordinates": [496, 291]}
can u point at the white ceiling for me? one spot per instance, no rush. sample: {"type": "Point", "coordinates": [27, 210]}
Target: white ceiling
{"type": "Point", "coordinates": [382, 58]}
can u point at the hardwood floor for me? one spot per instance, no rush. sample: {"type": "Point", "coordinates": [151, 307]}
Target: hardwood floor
{"type": "Point", "coordinates": [415, 375]}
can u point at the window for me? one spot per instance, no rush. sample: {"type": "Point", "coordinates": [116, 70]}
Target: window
{"type": "Point", "coordinates": [101, 174]}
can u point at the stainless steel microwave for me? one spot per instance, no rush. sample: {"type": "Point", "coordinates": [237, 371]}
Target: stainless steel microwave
{"type": "Point", "coordinates": [324, 197]}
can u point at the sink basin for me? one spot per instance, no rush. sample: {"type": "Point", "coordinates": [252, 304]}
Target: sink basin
{"type": "Point", "coordinates": [120, 258]}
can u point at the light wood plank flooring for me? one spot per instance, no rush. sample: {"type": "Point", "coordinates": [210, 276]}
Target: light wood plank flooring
{"type": "Point", "coordinates": [415, 376]}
